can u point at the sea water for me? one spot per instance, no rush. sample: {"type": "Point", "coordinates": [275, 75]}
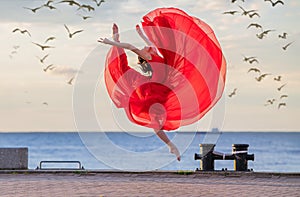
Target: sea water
{"type": "Point", "coordinates": [273, 151]}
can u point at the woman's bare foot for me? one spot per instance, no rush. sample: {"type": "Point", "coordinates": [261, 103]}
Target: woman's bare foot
{"type": "Point", "coordinates": [116, 35]}
{"type": "Point", "coordinates": [173, 149]}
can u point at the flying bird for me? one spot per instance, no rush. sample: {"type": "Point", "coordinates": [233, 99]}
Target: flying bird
{"type": "Point", "coordinates": [283, 96]}
{"type": "Point", "coordinates": [246, 59]}
{"type": "Point", "coordinates": [270, 102]}
{"type": "Point", "coordinates": [70, 2]}
{"type": "Point", "coordinates": [70, 81]}
{"type": "Point", "coordinates": [231, 12]}
{"type": "Point", "coordinates": [33, 9]}
{"type": "Point", "coordinates": [88, 7]}
{"type": "Point", "coordinates": [43, 47]}
{"type": "Point", "coordinates": [48, 5]}
{"type": "Point", "coordinates": [281, 104]}
{"type": "Point", "coordinates": [98, 3]}
{"type": "Point", "coordinates": [232, 1]}
{"type": "Point", "coordinates": [247, 12]}
{"type": "Point", "coordinates": [72, 34]}
{"type": "Point", "coordinates": [51, 7]}
{"type": "Point", "coordinates": [279, 89]}
{"type": "Point", "coordinates": [259, 78]}
{"type": "Point", "coordinates": [45, 103]}
{"type": "Point", "coordinates": [275, 3]}
{"type": "Point", "coordinates": [283, 36]}
{"type": "Point", "coordinates": [84, 17]}
{"type": "Point", "coordinates": [50, 67]}
{"type": "Point", "coordinates": [43, 58]}
{"type": "Point", "coordinates": [22, 31]}
{"type": "Point", "coordinates": [286, 46]}
{"type": "Point", "coordinates": [254, 25]}
{"type": "Point", "coordinates": [264, 33]}
{"type": "Point", "coordinates": [254, 69]}
{"type": "Point", "coordinates": [254, 14]}
{"type": "Point", "coordinates": [49, 39]}
{"type": "Point", "coordinates": [233, 93]}
{"type": "Point", "coordinates": [253, 60]}
{"type": "Point", "coordinates": [278, 78]}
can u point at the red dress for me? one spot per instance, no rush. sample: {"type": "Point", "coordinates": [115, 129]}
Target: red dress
{"type": "Point", "coordinates": [187, 80]}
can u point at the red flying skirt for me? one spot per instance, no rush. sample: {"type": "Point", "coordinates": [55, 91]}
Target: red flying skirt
{"type": "Point", "coordinates": [188, 75]}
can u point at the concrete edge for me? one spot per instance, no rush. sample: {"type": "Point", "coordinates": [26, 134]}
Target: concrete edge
{"type": "Point", "coordinates": [155, 173]}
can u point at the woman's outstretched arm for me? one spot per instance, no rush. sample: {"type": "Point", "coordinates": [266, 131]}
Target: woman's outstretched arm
{"type": "Point", "coordinates": [143, 53]}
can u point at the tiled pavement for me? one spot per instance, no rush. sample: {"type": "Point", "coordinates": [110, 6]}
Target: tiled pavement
{"type": "Point", "coordinates": [147, 184]}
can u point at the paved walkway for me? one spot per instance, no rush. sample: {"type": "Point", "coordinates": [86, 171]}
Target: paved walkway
{"type": "Point", "coordinates": [147, 184]}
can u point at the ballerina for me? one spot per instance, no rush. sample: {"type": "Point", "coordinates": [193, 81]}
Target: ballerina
{"type": "Point", "coordinates": [144, 55]}
{"type": "Point", "coordinates": [183, 72]}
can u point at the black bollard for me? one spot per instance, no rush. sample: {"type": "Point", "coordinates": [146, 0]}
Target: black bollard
{"type": "Point", "coordinates": [240, 152]}
{"type": "Point", "coordinates": [206, 156]}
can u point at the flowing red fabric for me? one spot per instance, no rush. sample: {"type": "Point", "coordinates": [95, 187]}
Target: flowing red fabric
{"type": "Point", "coordinates": [189, 72]}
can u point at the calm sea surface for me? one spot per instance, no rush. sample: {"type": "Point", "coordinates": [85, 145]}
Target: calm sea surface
{"type": "Point", "coordinates": [274, 151]}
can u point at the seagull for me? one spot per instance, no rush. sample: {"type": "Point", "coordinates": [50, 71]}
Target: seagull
{"type": "Point", "coordinates": [247, 12]}
{"type": "Point", "coordinates": [88, 7]}
{"type": "Point", "coordinates": [279, 89]}
{"type": "Point", "coordinates": [262, 76]}
{"type": "Point", "coordinates": [51, 7]}
{"type": "Point", "coordinates": [49, 39]}
{"type": "Point", "coordinates": [70, 81]}
{"type": "Point", "coordinates": [33, 9]}
{"type": "Point", "coordinates": [70, 2]}
{"type": "Point", "coordinates": [50, 67]}
{"type": "Point", "coordinates": [283, 36]}
{"type": "Point", "coordinates": [270, 102]}
{"type": "Point", "coordinates": [22, 31]}
{"type": "Point", "coordinates": [230, 12]}
{"type": "Point", "coordinates": [262, 34]}
{"type": "Point", "coordinates": [232, 1]}
{"type": "Point", "coordinates": [43, 58]}
{"type": "Point", "coordinates": [281, 104]}
{"type": "Point", "coordinates": [283, 96]}
{"type": "Point", "coordinates": [253, 60]}
{"type": "Point", "coordinates": [254, 25]}
{"type": "Point", "coordinates": [233, 93]}
{"type": "Point", "coordinates": [254, 14]}
{"type": "Point", "coordinates": [98, 3]}
{"type": "Point", "coordinates": [278, 78]}
{"type": "Point", "coordinates": [72, 34]}
{"type": "Point", "coordinates": [254, 69]}
{"type": "Point", "coordinates": [286, 46]}
{"type": "Point", "coordinates": [275, 3]}
{"type": "Point", "coordinates": [84, 17]}
{"type": "Point", "coordinates": [48, 5]}
{"type": "Point", "coordinates": [43, 47]}
{"type": "Point", "coordinates": [246, 59]}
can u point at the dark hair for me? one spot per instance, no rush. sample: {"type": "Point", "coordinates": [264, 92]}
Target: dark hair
{"type": "Point", "coordinates": [145, 66]}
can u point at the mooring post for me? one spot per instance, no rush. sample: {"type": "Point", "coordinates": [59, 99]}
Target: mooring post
{"type": "Point", "coordinates": [240, 152]}
{"type": "Point", "coordinates": [206, 157]}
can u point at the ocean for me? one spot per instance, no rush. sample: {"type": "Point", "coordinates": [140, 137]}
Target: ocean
{"type": "Point", "coordinates": [273, 151]}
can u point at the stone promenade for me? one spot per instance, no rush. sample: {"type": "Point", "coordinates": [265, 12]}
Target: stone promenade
{"type": "Point", "coordinates": [93, 183]}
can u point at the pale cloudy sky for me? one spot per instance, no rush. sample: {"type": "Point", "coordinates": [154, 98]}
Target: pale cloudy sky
{"type": "Point", "coordinates": [25, 86]}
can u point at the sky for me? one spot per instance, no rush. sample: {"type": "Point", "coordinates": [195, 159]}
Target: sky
{"type": "Point", "coordinates": [35, 100]}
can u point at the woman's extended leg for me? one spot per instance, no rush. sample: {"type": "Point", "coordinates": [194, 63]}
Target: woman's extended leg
{"type": "Point", "coordinates": [173, 149]}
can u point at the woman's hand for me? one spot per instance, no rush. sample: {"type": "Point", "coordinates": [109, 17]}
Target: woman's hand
{"type": "Point", "coordinates": [104, 40]}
